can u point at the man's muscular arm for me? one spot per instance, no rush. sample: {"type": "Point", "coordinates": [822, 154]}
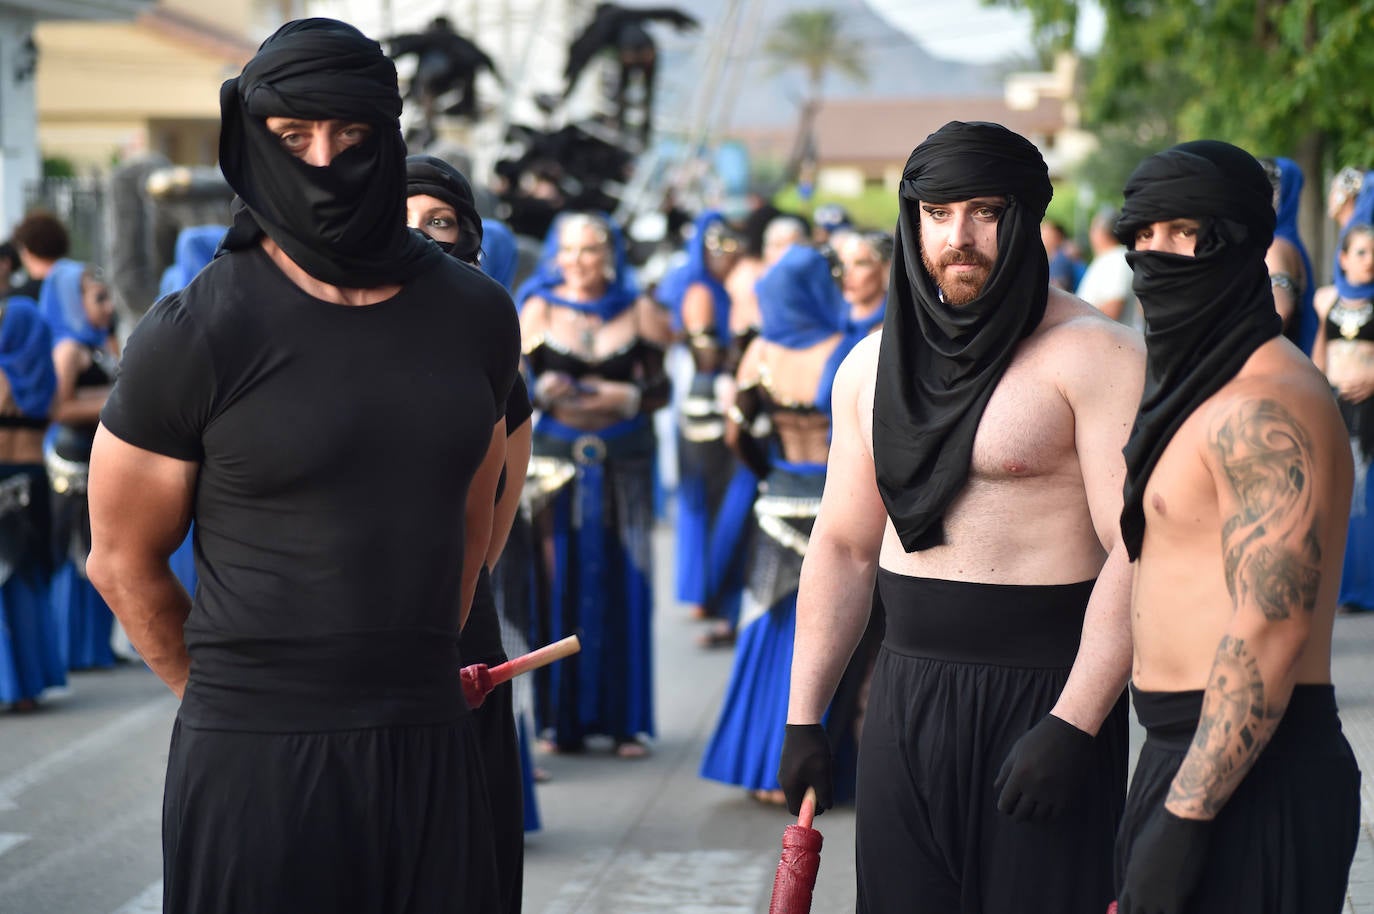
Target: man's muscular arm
{"type": "Point", "coordinates": [478, 514]}
{"type": "Point", "coordinates": [836, 589]}
{"type": "Point", "coordinates": [1042, 774]}
{"type": "Point", "coordinates": [140, 505]}
{"type": "Point", "coordinates": [1104, 401]}
{"type": "Point", "coordinates": [1263, 460]}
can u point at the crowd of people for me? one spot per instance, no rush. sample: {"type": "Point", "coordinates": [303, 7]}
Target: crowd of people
{"type": "Point", "coordinates": [350, 451]}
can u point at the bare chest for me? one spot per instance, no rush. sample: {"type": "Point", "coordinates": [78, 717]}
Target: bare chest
{"type": "Point", "coordinates": [1180, 500]}
{"type": "Point", "coordinates": [1026, 431]}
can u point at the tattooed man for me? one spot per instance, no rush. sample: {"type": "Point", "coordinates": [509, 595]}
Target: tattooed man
{"type": "Point", "coordinates": [1246, 795]}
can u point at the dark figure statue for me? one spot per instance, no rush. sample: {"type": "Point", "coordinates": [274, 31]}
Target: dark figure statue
{"type": "Point", "coordinates": [622, 30]}
{"type": "Point", "coordinates": [445, 62]}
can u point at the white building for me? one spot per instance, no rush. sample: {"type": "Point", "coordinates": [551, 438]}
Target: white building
{"type": "Point", "coordinates": [20, 161]}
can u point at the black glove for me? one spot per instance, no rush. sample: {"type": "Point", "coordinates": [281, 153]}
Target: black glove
{"type": "Point", "coordinates": [806, 762]}
{"type": "Point", "coordinates": [1165, 865]}
{"type": "Point", "coordinates": [1045, 771]}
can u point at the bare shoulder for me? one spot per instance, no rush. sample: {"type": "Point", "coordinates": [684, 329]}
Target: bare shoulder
{"type": "Point", "coordinates": [1278, 396]}
{"type": "Point", "coordinates": [858, 373]}
{"type": "Point", "coordinates": [1084, 345]}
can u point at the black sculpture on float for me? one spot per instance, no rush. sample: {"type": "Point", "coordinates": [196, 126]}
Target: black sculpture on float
{"type": "Point", "coordinates": [445, 62]}
{"type": "Point", "coordinates": [622, 30]}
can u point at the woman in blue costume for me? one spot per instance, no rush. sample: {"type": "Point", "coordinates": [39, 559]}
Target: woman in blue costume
{"type": "Point", "coordinates": [595, 353]}
{"type": "Point", "coordinates": [1345, 352]}
{"type": "Point", "coordinates": [780, 425]}
{"type": "Point", "coordinates": [866, 266]}
{"type": "Point", "coordinates": [714, 491]}
{"type": "Point", "coordinates": [77, 305]}
{"type": "Point", "coordinates": [195, 248]}
{"type": "Point", "coordinates": [1287, 257]}
{"type": "Point", "coordinates": [30, 640]}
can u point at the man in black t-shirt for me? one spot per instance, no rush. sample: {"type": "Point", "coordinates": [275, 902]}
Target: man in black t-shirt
{"type": "Point", "coordinates": [336, 428]}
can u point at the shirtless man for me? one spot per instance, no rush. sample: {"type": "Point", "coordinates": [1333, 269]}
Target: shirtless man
{"type": "Point", "coordinates": [975, 472]}
{"type": "Point", "coordinates": [1237, 495]}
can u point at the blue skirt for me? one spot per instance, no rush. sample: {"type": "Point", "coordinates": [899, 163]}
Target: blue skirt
{"type": "Point", "coordinates": [30, 642]}
{"type": "Point", "coordinates": [1357, 575]}
{"type": "Point", "coordinates": [600, 584]}
{"type": "Point", "coordinates": [747, 743]}
{"type": "Point", "coordinates": [86, 618]}
{"type": "Point", "coordinates": [183, 562]}
{"type": "Point", "coordinates": [522, 732]}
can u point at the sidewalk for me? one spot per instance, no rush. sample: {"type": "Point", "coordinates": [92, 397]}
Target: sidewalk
{"type": "Point", "coordinates": [650, 836]}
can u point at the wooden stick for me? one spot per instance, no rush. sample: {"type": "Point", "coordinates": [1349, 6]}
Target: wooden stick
{"type": "Point", "coordinates": [808, 808]}
{"type": "Point", "coordinates": [535, 659]}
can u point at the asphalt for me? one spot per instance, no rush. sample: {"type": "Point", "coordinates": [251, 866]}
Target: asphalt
{"type": "Point", "coordinates": [80, 797]}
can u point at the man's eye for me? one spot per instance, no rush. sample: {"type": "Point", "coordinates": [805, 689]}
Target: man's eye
{"type": "Point", "coordinates": [292, 140]}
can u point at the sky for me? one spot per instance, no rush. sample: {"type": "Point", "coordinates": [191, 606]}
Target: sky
{"type": "Point", "coordinates": [969, 31]}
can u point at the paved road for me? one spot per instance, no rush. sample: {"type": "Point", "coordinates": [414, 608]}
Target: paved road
{"type": "Point", "coordinates": [81, 780]}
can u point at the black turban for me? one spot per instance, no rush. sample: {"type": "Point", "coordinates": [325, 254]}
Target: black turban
{"type": "Point", "coordinates": [344, 223]}
{"type": "Point", "coordinates": [436, 178]}
{"type": "Point", "coordinates": [1205, 315]}
{"type": "Point", "coordinates": [938, 364]}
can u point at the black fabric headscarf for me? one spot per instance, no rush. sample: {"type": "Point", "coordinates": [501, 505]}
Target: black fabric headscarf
{"type": "Point", "coordinates": [938, 364]}
{"type": "Point", "coordinates": [434, 177]}
{"type": "Point", "coordinates": [1204, 315]}
{"type": "Point", "coordinates": [345, 223]}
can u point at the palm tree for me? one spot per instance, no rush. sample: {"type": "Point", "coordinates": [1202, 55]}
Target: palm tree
{"type": "Point", "coordinates": [813, 41]}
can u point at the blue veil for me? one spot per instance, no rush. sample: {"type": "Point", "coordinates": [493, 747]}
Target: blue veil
{"type": "Point", "coordinates": [26, 356]}
{"type": "Point", "coordinates": [60, 302]}
{"type": "Point", "coordinates": [619, 295]}
{"type": "Point", "coordinates": [195, 248]}
{"type": "Point", "coordinates": [673, 288]}
{"type": "Point", "coordinates": [799, 303]}
{"type": "Point", "coordinates": [1363, 214]}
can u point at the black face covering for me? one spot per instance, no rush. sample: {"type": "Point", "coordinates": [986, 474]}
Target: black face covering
{"type": "Point", "coordinates": [436, 178]}
{"type": "Point", "coordinates": [938, 364]}
{"type": "Point", "coordinates": [345, 223]}
{"type": "Point", "coordinates": [1204, 315]}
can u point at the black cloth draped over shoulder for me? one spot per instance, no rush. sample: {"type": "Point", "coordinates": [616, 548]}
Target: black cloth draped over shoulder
{"type": "Point", "coordinates": [1205, 315]}
{"type": "Point", "coordinates": [938, 364]}
{"type": "Point", "coordinates": [344, 223]}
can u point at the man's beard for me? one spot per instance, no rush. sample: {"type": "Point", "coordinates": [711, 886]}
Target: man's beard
{"type": "Point", "coordinates": [959, 288]}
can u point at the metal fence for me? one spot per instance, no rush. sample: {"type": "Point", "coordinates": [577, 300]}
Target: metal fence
{"type": "Point", "coordinates": [80, 204]}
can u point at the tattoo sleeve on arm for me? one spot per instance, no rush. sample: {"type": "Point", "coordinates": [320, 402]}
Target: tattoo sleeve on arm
{"type": "Point", "coordinates": [1272, 557]}
{"type": "Point", "coordinates": [1272, 553]}
{"type": "Point", "coordinates": [1235, 725]}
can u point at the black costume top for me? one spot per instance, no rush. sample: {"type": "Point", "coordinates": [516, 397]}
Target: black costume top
{"type": "Point", "coordinates": [1350, 320]}
{"type": "Point", "coordinates": [336, 445]}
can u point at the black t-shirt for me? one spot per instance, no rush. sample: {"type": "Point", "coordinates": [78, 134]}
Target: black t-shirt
{"type": "Point", "coordinates": [336, 445]}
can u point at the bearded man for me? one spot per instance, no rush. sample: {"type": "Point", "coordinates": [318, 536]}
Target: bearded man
{"type": "Point", "coordinates": [976, 473]}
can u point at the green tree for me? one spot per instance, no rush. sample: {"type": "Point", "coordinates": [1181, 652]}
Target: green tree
{"type": "Point", "coordinates": [1278, 77]}
{"type": "Point", "coordinates": [814, 42]}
